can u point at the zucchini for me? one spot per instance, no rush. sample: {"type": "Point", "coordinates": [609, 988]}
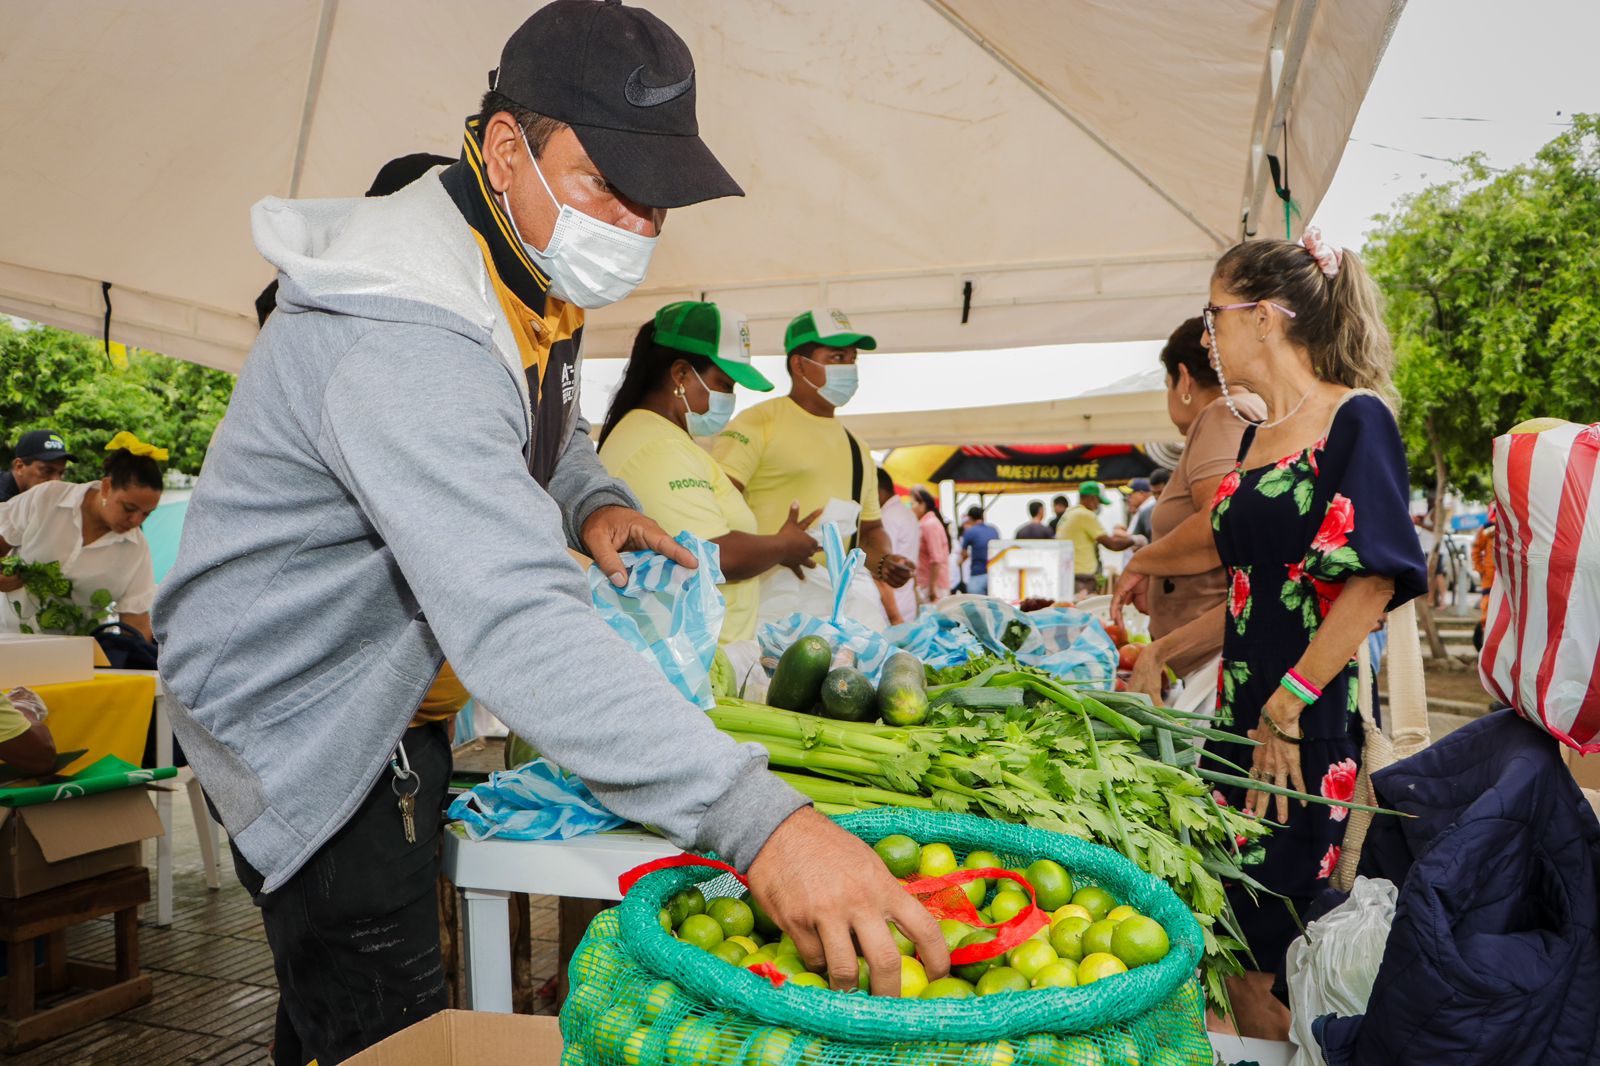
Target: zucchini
{"type": "Point", "coordinates": [902, 691]}
{"type": "Point", "coordinates": [798, 680]}
{"type": "Point", "coordinates": [847, 696]}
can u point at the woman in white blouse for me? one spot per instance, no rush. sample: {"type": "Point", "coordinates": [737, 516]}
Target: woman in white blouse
{"type": "Point", "coordinates": [92, 530]}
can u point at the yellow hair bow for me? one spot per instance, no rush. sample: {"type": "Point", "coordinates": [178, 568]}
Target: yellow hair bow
{"type": "Point", "coordinates": [126, 441]}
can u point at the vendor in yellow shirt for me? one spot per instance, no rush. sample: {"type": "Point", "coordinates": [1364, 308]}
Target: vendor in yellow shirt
{"type": "Point", "coordinates": [1081, 525]}
{"type": "Point", "coordinates": [793, 450]}
{"type": "Point", "coordinates": [679, 386]}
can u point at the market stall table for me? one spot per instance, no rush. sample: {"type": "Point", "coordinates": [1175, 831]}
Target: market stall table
{"type": "Point", "coordinates": [109, 715]}
{"type": "Point", "coordinates": [487, 872]}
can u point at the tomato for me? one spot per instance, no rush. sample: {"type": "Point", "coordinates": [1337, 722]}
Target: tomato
{"type": "Point", "coordinates": [1118, 635]}
{"type": "Point", "coordinates": [1127, 655]}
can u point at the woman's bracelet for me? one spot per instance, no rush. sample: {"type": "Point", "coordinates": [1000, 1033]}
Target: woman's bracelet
{"type": "Point", "coordinates": [1277, 730]}
{"type": "Point", "coordinates": [1300, 688]}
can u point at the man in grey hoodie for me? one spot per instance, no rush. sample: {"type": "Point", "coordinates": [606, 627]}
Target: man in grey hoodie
{"type": "Point", "coordinates": [399, 479]}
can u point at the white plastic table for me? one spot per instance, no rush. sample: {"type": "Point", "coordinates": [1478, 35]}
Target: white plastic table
{"type": "Point", "coordinates": [487, 872]}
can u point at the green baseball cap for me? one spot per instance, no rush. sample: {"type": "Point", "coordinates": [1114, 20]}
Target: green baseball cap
{"type": "Point", "coordinates": [825, 325]}
{"type": "Point", "coordinates": [721, 336]}
{"type": "Point", "coordinates": [1093, 488]}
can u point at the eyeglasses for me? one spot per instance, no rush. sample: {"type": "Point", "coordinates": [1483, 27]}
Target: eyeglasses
{"type": "Point", "coordinates": [1209, 311]}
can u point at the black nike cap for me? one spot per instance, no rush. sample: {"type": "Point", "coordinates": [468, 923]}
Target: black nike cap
{"type": "Point", "coordinates": [625, 83]}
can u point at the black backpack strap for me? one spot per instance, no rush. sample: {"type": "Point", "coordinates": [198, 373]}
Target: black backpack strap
{"type": "Point", "coordinates": [858, 474]}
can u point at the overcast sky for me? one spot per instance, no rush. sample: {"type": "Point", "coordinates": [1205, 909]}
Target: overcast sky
{"type": "Point", "coordinates": [1459, 76]}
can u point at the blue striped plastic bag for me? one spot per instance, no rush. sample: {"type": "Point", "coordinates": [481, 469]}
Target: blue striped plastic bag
{"type": "Point", "coordinates": [536, 801]}
{"type": "Point", "coordinates": [868, 647]}
{"type": "Point", "coordinates": [1069, 643]}
{"type": "Point", "coordinates": [668, 613]}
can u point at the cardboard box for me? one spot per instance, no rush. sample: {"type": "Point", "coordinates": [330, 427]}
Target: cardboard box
{"type": "Point", "coordinates": [37, 660]}
{"type": "Point", "coordinates": [51, 844]}
{"type": "Point", "coordinates": [469, 1038]}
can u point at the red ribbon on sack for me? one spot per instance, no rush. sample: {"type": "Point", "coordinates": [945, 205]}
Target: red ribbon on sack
{"type": "Point", "coordinates": [942, 897]}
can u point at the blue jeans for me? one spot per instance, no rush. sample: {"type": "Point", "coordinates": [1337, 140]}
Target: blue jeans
{"type": "Point", "coordinates": [978, 584]}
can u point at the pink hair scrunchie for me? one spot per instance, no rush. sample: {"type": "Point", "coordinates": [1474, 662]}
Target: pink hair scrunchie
{"type": "Point", "coordinates": [1327, 256]}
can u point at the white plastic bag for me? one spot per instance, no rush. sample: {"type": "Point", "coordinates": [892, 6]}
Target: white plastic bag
{"type": "Point", "coordinates": [783, 594]}
{"type": "Point", "coordinates": [1331, 969]}
{"type": "Point", "coordinates": [865, 645]}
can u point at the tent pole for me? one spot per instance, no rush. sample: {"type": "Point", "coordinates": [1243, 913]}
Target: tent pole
{"type": "Point", "coordinates": [308, 110]}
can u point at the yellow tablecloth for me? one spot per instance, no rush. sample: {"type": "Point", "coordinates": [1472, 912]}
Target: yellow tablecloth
{"type": "Point", "coordinates": [107, 716]}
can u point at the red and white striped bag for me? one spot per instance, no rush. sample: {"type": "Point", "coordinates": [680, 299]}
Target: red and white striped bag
{"type": "Point", "coordinates": [1541, 653]}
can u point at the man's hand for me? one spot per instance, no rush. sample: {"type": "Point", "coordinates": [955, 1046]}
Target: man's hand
{"type": "Point", "coordinates": [1149, 673]}
{"type": "Point", "coordinates": [833, 895]}
{"type": "Point", "coordinates": [796, 546]}
{"type": "Point", "coordinates": [610, 530]}
{"type": "Point", "coordinates": [895, 570]}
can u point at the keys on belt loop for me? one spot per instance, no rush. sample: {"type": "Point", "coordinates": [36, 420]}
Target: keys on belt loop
{"type": "Point", "coordinates": [405, 783]}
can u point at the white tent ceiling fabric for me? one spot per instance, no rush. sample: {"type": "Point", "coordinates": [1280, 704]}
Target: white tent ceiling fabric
{"type": "Point", "coordinates": [1080, 162]}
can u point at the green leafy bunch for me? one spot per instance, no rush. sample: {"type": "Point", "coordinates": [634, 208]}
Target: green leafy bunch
{"type": "Point", "coordinates": [52, 591]}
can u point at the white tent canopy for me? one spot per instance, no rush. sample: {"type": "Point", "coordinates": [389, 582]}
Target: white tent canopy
{"type": "Point", "coordinates": [1079, 163]}
{"type": "Point", "coordinates": [1130, 411]}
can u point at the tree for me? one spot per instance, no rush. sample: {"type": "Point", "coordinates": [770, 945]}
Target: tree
{"type": "Point", "coordinates": [1493, 289]}
{"type": "Point", "coordinates": [63, 381]}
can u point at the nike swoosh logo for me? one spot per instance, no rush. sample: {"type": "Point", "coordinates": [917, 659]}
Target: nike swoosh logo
{"type": "Point", "coordinates": [641, 95]}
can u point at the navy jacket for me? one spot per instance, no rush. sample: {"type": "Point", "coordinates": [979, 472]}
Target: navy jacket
{"type": "Point", "coordinates": [1494, 957]}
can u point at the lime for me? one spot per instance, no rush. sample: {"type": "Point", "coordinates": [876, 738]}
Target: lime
{"type": "Point", "coordinates": [948, 988]}
{"type": "Point", "coordinates": [1057, 975]}
{"type": "Point", "coordinates": [1066, 936]}
{"type": "Point", "coordinates": [807, 980]}
{"type": "Point", "coordinates": [954, 932]}
{"type": "Point", "coordinates": [1041, 933]}
{"type": "Point", "coordinates": [902, 942]}
{"type": "Point", "coordinates": [633, 1047]}
{"type": "Point", "coordinates": [658, 999]}
{"type": "Point", "coordinates": [701, 930]}
{"type": "Point", "coordinates": [1042, 1049]}
{"type": "Point", "coordinates": [769, 1047]}
{"type": "Point", "coordinates": [983, 860]}
{"type": "Point", "coordinates": [976, 891]}
{"type": "Point", "coordinates": [785, 946]}
{"type": "Point", "coordinates": [913, 978]}
{"type": "Point", "coordinates": [972, 971]}
{"type": "Point", "coordinates": [1052, 885]}
{"type": "Point", "coordinates": [899, 853]}
{"type": "Point", "coordinates": [1071, 910]}
{"type": "Point", "coordinates": [1099, 965]}
{"type": "Point", "coordinates": [1097, 938]}
{"type": "Point", "coordinates": [1007, 905]}
{"type": "Point", "coordinates": [1166, 1057]}
{"type": "Point", "coordinates": [789, 965]}
{"type": "Point", "coordinates": [1097, 901]}
{"type": "Point", "coordinates": [863, 974]}
{"type": "Point", "coordinates": [733, 915]}
{"type": "Point", "coordinates": [1031, 956]}
{"type": "Point", "coordinates": [1122, 1049]}
{"type": "Point", "coordinates": [1082, 1051]}
{"type": "Point", "coordinates": [999, 1053]}
{"type": "Point", "coordinates": [1139, 941]}
{"type": "Point", "coordinates": [694, 900]}
{"type": "Point", "coordinates": [729, 952]}
{"type": "Point", "coordinates": [1117, 914]}
{"type": "Point", "coordinates": [693, 1040]}
{"type": "Point", "coordinates": [764, 923]}
{"type": "Point", "coordinates": [666, 919]}
{"type": "Point", "coordinates": [937, 860]}
{"type": "Point", "coordinates": [756, 958]}
{"type": "Point", "coordinates": [749, 945]}
{"type": "Point", "coordinates": [1001, 979]}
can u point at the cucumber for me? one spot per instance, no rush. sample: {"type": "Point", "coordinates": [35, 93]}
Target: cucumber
{"type": "Point", "coordinates": [798, 679]}
{"type": "Point", "coordinates": [902, 693]}
{"type": "Point", "coordinates": [847, 696]}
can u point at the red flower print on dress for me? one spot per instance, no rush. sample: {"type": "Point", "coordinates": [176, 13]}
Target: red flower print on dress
{"type": "Point", "coordinates": [1327, 592]}
{"type": "Point", "coordinates": [1240, 598]}
{"type": "Point", "coordinates": [1229, 486]}
{"type": "Point", "coordinates": [1286, 462]}
{"type": "Point", "coordinates": [1339, 783]}
{"type": "Point", "coordinates": [1337, 526]}
{"type": "Point", "coordinates": [1330, 862]}
{"type": "Point", "coordinates": [1311, 455]}
{"type": "Point", "coordinates": [1297, 572]}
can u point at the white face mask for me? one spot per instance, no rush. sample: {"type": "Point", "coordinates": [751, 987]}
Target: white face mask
{"type": "Point", "coordinates": [590, 263]}
{"type": "Point", "coordinates": [719, 410]}
{"type": "Point", "coordinates": [840, 382]}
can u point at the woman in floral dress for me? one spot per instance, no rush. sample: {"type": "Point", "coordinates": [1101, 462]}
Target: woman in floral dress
{"type": "Point", "coordinates": [1315, 531]}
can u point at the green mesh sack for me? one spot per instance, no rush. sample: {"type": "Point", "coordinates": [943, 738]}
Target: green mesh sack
{"type": "Point", "coordinates": [640, 997]}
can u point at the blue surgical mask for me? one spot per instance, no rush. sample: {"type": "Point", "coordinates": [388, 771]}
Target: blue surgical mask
{"type": "Point", "coordinates": [719, 410]}
{"type": "Point", "coordinates": [839, 385]}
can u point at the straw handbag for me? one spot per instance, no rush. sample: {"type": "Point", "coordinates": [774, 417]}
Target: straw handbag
{"type": "Point", "coordinates": [1404, 734]}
